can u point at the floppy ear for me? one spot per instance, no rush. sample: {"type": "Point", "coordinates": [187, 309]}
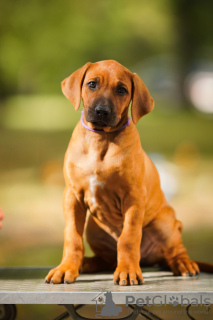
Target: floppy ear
{"type": "Point", "coordinates": [71, 86]}
{"type": "Point", "coordinates": [142, 102]}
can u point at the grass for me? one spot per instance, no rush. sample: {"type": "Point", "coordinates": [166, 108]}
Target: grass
{"type": "Point", "coordinates": [164, 132]}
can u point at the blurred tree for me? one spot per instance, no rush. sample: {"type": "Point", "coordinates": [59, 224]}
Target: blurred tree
{"type": "Point", "coordinates": [194, 36]}
{"type": "Point", "coordinates": [44, 41]}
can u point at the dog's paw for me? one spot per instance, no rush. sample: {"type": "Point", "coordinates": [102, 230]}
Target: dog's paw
{"type": "Point", "coordinates": [128, 276]}
{"type": "Point", "coordinates": [62, 274]}
{"type": "Point", "coordinates": [185, 267]}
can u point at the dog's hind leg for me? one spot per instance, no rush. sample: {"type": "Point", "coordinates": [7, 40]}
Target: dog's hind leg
{"type": "Point", "coordinates": [95, 264]}
{"type": "Point", "coordinates": [104, 248]}
{"type": "Point", "coordinates": [167, 230]}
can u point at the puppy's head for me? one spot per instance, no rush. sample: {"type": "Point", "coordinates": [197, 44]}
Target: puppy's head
{"type": "Point", "coordinates": [107, 89]}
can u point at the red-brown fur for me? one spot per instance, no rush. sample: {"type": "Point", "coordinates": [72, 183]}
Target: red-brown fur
{"type": "Point", "coordinates": [110, 175]}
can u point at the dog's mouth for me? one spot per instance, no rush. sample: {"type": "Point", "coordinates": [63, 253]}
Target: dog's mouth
{"type": "Point", "coordinates": [101, 113]}
{"type": "Point", "coordinates": [99, 124]}
{"type": "Point", "coordinates": [101, 120]}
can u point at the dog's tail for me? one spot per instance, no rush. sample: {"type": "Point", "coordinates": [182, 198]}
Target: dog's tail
{"type": "Point", "coordinates": [205, 267]}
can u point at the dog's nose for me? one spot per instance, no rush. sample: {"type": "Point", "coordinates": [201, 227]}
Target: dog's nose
{"type": "Point", "coordinates": [102, 111]}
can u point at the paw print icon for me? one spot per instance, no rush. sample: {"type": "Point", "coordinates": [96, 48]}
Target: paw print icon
{"type": "Point", "coordinates": [173, 301]}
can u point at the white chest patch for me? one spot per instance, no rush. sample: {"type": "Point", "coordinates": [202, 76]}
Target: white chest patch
{"type": "Point", "coordinates": [93, 184]}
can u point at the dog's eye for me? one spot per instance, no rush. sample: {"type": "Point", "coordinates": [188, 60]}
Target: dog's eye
{"type": "Point", "coordinates": [121, 91]}
{"type": "Point", "coordinates": [92, 84]}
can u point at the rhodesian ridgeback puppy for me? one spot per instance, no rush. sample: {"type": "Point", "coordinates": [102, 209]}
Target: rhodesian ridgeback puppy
{"type": "Point", "coordinates": [108, 174]}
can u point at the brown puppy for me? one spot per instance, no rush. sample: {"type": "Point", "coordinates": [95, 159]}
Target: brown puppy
{"type": "Point", "coordinates": [108, 174]}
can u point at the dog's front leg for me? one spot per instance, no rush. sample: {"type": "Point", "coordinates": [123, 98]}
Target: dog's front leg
{"type": "Point", "coordinates": [128, 269]}
{"type": "Point", "coordinates": [74, 213]}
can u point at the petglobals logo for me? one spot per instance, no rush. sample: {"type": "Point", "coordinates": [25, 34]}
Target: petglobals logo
{"type": "Point", "coordinates": [163, 300]}
{"type": "Point", "coordinates": [105, 305]}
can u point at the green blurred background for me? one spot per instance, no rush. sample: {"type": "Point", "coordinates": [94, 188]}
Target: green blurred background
{"type": "Point", "coordinates": [169, 44]}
